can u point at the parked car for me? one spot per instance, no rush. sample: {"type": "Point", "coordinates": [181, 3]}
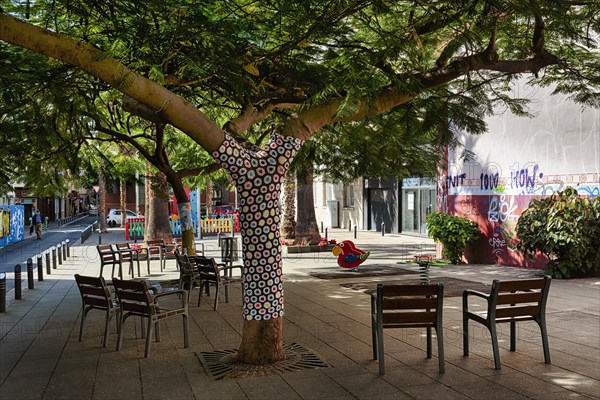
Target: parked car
{"type": "Point", "coordinates": [114, 217]}
{"type": "Point", "coordinates": [225, 209]}
{"type": "Point", "coordinates": [92, 210]}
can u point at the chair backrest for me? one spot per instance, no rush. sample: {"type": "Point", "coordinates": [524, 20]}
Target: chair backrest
{"type": "Point", "coordinates": [134, 297]}
{"type": "Point", "coordinates": [208, 269]}
{"type": "Point", "coordinates": [94, 291]}
{"type": "Point", "coordinates": [405, 306]}
{"type": "Point", "coordinates": [126, 256]}
{"type": "Point", "coordinates": [153, 246]}
{"type": "Point", "coordinates": [186, 268]}
{"type": "Point", "coordinates": [519, 298]}
{"type": "Point", "coordinates": [228, 249]}
{"type": "Point", "coordinates": [107, 254]}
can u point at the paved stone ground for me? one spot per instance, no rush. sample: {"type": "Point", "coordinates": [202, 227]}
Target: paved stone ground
{"type": "Point", "coordinates": [41, 358]}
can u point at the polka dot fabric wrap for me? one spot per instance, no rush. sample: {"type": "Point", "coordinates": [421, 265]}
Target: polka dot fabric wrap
{"type": "Point", "coordinates": [258, 174]}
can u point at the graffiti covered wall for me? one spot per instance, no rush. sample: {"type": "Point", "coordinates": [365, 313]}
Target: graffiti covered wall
{"type": "Point", "coordinates": [520, 159]}
{"type": "Point", "coordinates": [12, 224]}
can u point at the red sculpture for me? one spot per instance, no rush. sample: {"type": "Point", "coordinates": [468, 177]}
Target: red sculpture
{"type": "Point", "coordinates": [348, 255]}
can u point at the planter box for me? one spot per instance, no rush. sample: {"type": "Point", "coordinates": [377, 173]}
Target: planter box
{"type": "Point", "coordinates": [310, 249]}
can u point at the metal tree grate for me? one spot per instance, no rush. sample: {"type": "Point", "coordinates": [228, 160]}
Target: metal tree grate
{"type": "Point", "coordinates": [221, 363]}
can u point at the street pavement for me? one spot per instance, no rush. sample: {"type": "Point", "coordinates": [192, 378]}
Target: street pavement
{"type": "Point", "coordinates": [327, 312]}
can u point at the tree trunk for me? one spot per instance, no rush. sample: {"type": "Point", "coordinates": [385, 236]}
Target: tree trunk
{"type": "Point", "coordinates": [102, 198]}
{"type": "Point", "coordinates": [258, 178]}
{"type": "Point", "coordinates": [184, 209]}
{"type": "Point", "coordinates": [209, 198]}
{"type": "Point", "coordinates": [157, 211]}
{"type": "Point", "coordinates": [123, 202]}
{"type": "Point", "coordinates": [307, 230]}
{"type": "Point", "coordinates": [288, 204]}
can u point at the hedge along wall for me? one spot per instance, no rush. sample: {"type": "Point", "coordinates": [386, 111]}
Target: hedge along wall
{"type": "Point", "coordinates": [520, 159]}
{"type": "Point", "coordinates": [12, 224]}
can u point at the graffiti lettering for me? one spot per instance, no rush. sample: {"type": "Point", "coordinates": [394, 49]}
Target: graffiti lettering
{"type": "Point", "coordinates": [497, 243]}
{"type": "Point", "coordinates": [501, 209]}
{"type": "Point", "coordinates": [489, 181]}
{"type": "Point", "coordinates": [524, 179]}
{"type": "Point", "coordinates": [453, 181]}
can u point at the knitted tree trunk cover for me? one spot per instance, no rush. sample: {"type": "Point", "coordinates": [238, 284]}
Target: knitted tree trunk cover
{"type": "Point", "coordinates": [258, 174]}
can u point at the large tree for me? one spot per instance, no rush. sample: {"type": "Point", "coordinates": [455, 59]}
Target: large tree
{"type": "Point", "coordinates": [307, 65]}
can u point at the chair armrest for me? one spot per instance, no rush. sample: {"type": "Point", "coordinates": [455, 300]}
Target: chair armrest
{"type": "Point", "coordinates": [227, 271]}
{"type": "Point", "coordinates": [181, 292]}
{"type": "Point", "coordinates": [465, 298]}
{"type": "Point", "coordinates": [468, 292]}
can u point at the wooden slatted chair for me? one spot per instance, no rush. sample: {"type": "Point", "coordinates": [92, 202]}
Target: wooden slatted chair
{"type": "Point", "coordinates": [108, 256]}
{"type": "Point", "coordinates": [128, 255]}
{"type": "Point", "coordinates": [135, 300]}
{"type": "Point", "coordinates": [189, 278]}
{"type": "Point", "coordinates": [407, 306]}
{"type": "Point", "coordinates": [509, 301]}
{"type": "Point", "coordinates": [96, 295]}
{"type": "Point", "coordinates": [211, 274]}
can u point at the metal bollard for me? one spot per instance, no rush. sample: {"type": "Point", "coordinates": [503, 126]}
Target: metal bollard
{"type": "Point", "coordinates": [354, 231]}
{"type": "Point", "coordinates": [383, 229]}
{"type": "Point", "coordinates": [2, 292]}
{"type": "Point", "coordinates": [326, 237]}
{"type": "Point", "coordinates": [48, 269]}
{"type": "Point", "coordinates": [64, 248]}
{"type": "Point", "coordinates": [18, 282]}
{"type": "Point", "coordinates": [68, 248]}
{"type": "Point", "coordinates": [349, 226]}
{"type": "Point", "coordinates": [53, 257]}
{"type": "Point", "coordinates": [59, 254]}
{"type": "Point", "coordinates": [321, 226]}
{"type": "Point", "coordinates": [40, 268]}
{"type": "Point", "coordinates": [29, 273]}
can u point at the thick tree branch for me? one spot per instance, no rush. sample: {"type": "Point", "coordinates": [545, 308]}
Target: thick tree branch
{"type": "Point", "coordinates": [178, 111]}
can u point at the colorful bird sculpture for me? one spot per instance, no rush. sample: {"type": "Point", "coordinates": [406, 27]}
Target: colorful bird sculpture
{"type": "Point", "coordinates": [348, 255]}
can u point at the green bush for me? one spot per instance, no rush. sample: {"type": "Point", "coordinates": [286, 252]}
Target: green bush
{"type": "Point", "coordinates": [566, 228]}
{"type": "Point", "coordinates": [455, 234]}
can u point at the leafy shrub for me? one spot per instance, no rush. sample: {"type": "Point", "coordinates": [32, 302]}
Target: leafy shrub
{"type": "Point", "coordinates": [564, 227]}
{"type": "Point", "coordinates": [455, 234]}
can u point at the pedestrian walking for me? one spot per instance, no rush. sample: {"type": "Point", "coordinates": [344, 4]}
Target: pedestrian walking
{"type": "Point", "coordinates": [38, 219]}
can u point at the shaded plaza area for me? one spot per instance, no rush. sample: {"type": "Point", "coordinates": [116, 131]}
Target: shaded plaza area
{"type": "Point", "coordinates": [327, 312]}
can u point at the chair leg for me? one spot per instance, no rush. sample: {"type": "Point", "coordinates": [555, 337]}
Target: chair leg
{"type": "Point", "coordinates": [157, 330]}
{"type": "Point", "coordinates": [148, 337]}
{"type": "Point", "coordinates": [373, 330]}
{"type": "Point", "coordinates": [106, 326]}
{"type": "Point", "coordinates": [186, 331]}
{"type": "Point", "coordinates": [513, 336]}
{"type": "Point", "coordinates": [83, 315]}
{"type": "Point", "coordinates": [429, 345]}
{"type": "Point", "coordinates": [439, 332]}
{"type": "Point", "coordinates": [380, 353]}
{"type": "Point", "coordinates": [496, 350]}
{"type": "Point", "coordinates": [542, 323]}
{"type": "Point", "coordinates": [120, 330]}
{"type": "Point", "coordinates": [216, 297]}
{"type": "Point", "coordinates": [465, 335]}
{"type": "Point", "coordinates": [226, 293]}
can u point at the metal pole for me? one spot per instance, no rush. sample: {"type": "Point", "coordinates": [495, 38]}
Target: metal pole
{"type": "Point", "coordinates": [325, 233]}
{"type": "Point", "coordinates": [40, 268]}
{"type": "Point", "coordinates": [349, 225]}
{"type": "Point", "coordinates": [99, 224]}
{"type": "Point", "coordinates": [383, 229]}
{"type": "Point", "coordinates": [29, 273]}
{"type": "Point", "coordinates": [18, 282]}
{"type": "Point", "coordinates": [321, 226]}
{"type": "Point", "coordinates": [48, 269]}
{"type": "Point", "coordinates": [64, 248]}
{"type": "Point", "coordinates": [354, 231]}
{"type": "Point", "coordinates": [68, 248]}
{"type": "Point", "coordinates": [53, 257]}
{"type": "Point", "coordinates": [59, 254]}
{"type": "Point", "coordinates": [2, 292]}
